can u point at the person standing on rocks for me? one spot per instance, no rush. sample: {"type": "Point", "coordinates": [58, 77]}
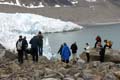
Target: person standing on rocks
{"type": "Point", "coordinates": [98, 40]}
{"type": "Point", "coordinates": [19, 49]}
{"type": "Point", "coordinates": [102, 54]}
{"type": "Point", "coordinates": [60, 50]}
{"type": "Point", "coordinates": [108, 44]}
{"type": "Point", "coordinates": [87, 51]}
{"type": "Point", "coordinates": [25, 46]}
{"type": "Point", "coordinates": [34, 48]}
{"type": "Point", "coordinates": [74, 51]}
{"type": "Point", "coordinates": [40, 43]}
{"type": "Point", "coordinates": [65, 53]}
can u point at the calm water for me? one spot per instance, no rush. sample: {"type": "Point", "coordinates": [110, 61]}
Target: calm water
{"type": "Point", "coordinates": [86, 35]}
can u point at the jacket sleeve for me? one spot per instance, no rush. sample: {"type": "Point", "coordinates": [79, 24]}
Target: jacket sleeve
{"type": "Point", "coordinates": [76, 47]}
{"type": "Point", "coordinates": [16, 44]}
{"type": "Point", "coordinates": [60, 49]}
{"type": "Point", "coordinates": [69, 52]}
{"type": "Point", "coordinates": [30, 41]}
{"type": "Point", "coordinates": [26, 44]}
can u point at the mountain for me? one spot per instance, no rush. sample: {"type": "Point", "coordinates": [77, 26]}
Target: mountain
{"type": "Point", "coordinates": [41, 3]}
{"type": "Point", "coordinates": [78, 11]}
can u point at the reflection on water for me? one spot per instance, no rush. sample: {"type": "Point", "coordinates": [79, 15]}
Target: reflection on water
{"type": "Point", "coordinates": [86, 35]}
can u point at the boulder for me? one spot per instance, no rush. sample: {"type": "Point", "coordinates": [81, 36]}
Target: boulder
{"type": "Point", "coordinates": [50, 79]}
{"type": "Point", "coordinates": [68, 77]}
{"type": "Point", "coordinates": [117, 74]}
{"type": "Point", "coordinates": [110, 76]}
{"type": "Point", "coordinates": [10, 55]}
{"type": "Point", "coordinates": [43, 59]}
{"type": "Point", "coordinates": [79, 79]}
{"type": "Point", "coordinates": [88, 76]}
{"type": "Point", "coordinates": [110, 55]}
{"type": "Point", "coordinates": [2, 52]}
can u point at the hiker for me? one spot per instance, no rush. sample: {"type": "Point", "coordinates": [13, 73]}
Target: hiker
{"type": "Point", "coordinates": [40, 43]}
{"type": "Point", "coordinates": [65, 53]}
{"type": "Point", "coordinates": [102, 53]}
{"type": "Point", "coordinates": [87, 51]}
{"type": "Point", "coordinates": [108, 44]}
{"type": "Point", "coordinates": [98, 39]}
{"type": "Point", "coordinates": [74, 51]}
{"type": "Point", "coordinates": [19, 49]}
{"type": "Point", "coordinates": [34, 48]}
{"type": "Point", "coordinates": [25, 46]}
{"type": "Point", "coordinates": [60, 50]}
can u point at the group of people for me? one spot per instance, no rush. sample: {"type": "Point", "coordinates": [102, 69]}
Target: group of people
{"type": "Point", "coordinates": [65, 52]}
{"type": "Point", "coordinates": [100, 47]}
{"type": "Point", "coordinates": [36, 47]}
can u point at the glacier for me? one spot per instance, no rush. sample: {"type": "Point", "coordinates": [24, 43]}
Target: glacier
{"type": "Point", "coordinates": [14, 24]}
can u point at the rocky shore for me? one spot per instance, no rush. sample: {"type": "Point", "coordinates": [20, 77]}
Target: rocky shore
{"type": "Point", "coordinates": [46, 69]}
{"type": "Point", "coordinates": [110, 55]}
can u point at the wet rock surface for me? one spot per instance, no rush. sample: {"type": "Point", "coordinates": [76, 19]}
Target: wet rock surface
{"type": "Point", "coordinates": [110, 55]}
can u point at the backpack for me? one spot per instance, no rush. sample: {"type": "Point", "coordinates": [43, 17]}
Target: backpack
{"type": "Point", "coordinates": [19, 45]}
{"type": "Point", "coordinates": [109, 43]}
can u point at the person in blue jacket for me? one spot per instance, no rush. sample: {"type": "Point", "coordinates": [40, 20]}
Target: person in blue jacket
{"type": "Point", "coordinates": [65, 53]}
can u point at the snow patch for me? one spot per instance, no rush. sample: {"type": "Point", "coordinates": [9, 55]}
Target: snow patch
{"type": "Point", "coordinates": [91, 0]}
{"type": "Point", "coordinates": [57, 5]}
{"type": "Point", "coordinates": [18, 4]}
{"type": "Point", "coordinates": [74, 2]}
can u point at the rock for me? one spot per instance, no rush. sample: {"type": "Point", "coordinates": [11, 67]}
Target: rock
{"type": "Point", "coordinates": [73, 71]}
{"type": "Point", "coordinates": [88, 76]}
{"type": "Point", "coordinates": [117, 74]}
{"type": "Point", "coordinates": [1, 46]}
{"type": "Point", "coordinates": [76, 75]}
{"type": "Point", "coordinates": [109, 76]}
{"type": "Point", "coordinates": [52, 73]}
{"type": "Point", "coordinates": [2, 52]}
{"type": "Point", "coordinates": [68, 77]}
{"type": "Point", "coordinates": [38, 74]}
{"type": "Point", "coordinates": [110, 55]}
{"type": "Point", "coordinates": [63, 70]}
{"type": "Point", "coordinates": [93, 64]}
{"type": "Point", "coordinates": [9, 55]}
{"type": "Point", "coordinates": [106, 67]}
{"type": "Point", "coordinates": [50, 79]}
{"type": "Point", "coordinates": [79, 79]}
{"type": "Point", "coordinates": [43, 59]}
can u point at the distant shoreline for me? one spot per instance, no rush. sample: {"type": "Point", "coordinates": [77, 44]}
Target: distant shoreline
{"type": "Point", "coordinates": [99, 24]}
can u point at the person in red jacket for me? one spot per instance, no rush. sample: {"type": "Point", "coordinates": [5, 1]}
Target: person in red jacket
{"type": "Point", "coordinates": [98, 39]}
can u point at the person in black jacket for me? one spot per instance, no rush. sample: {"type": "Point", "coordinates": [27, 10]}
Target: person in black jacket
{"type": "Point", "coordinates": [74, 50]}
{"type": "Point", "coordinates": [24, 46]}
{"type": "Point", "coordinates": [40, 43]}
{"type": "Point", "coordinates": [60, 50]}
{"type": "Point", "coordinates": [102, 54]}
{"type": "Point", "coordinates": [34, 48]}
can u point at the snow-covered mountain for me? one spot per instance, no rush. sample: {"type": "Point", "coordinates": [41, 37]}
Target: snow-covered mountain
{"type": "Point", "coordinates": [48, 3]}
{"type": "Point", "coordinates": [40, 3]}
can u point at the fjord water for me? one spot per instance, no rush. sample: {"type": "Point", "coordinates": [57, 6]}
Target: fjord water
{"type": "Point", "coordinates": [85, 35]}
